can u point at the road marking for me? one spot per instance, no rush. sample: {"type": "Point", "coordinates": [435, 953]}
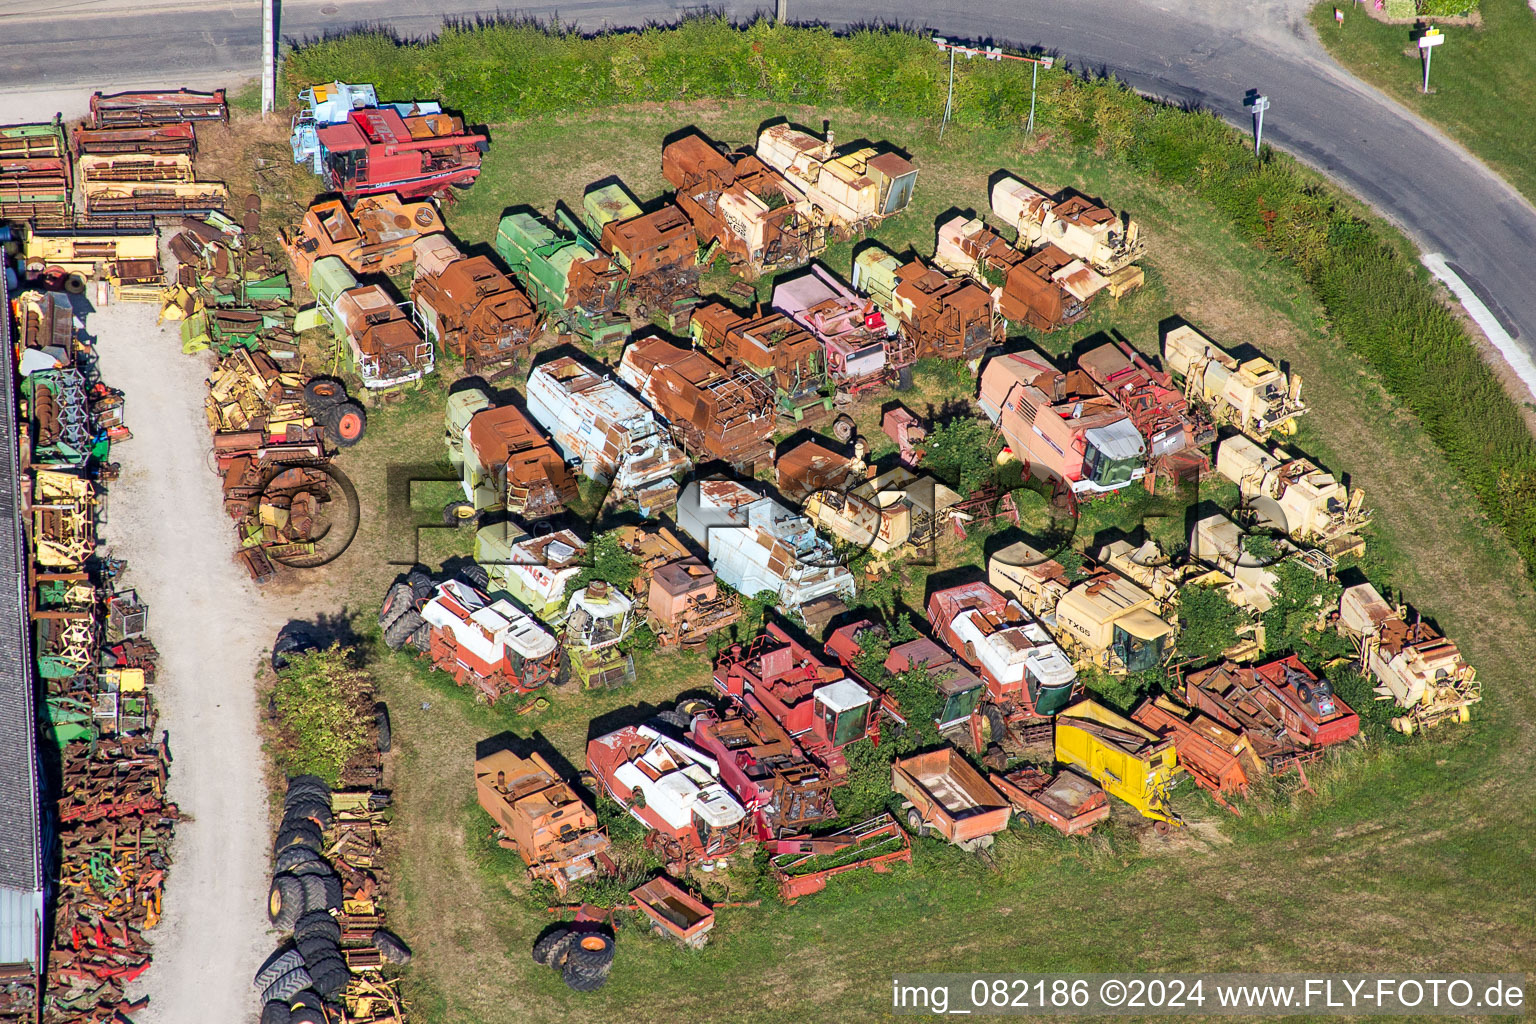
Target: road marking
{"type": "Point", "coordinates": [1514, 354]}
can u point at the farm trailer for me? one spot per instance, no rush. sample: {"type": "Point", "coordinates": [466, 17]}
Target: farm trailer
{"type": "Point", "coordinates": [1131, 762]}
{"type": "Point", "coordinates": [801, 865]}
{"type": "Point", "coordinates": [942, 793]}
{"type": "Point", "coordinates": [1068, 802]}
{"type": "Point", "coordinates": [1288, 714]}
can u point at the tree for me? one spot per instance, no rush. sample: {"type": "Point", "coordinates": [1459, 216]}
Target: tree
{"type": "Point", "coordinates": [1208, 622]}
{"type": "Point", "coordinates": [960, 451]}
{"type": "Point", "coordinates": [610, 563]}
{"type": "Point", "coordinates": [324, 703]}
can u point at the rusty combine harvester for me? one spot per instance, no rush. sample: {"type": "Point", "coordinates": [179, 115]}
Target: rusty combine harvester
{"type": "Point", "coordinates": [607, 432]}
{"type": "Point", "coordinates": [1174, 431]}
{"type": "Point", "coordinates": [714, 413]}
{"type": "Point", "coordinates": [1255, 395]}
{"type": "Point", "coordinates": [576, 286]}
{"type": "Point", "coordinates": [1044, 290]}
{"type": "Point", "coordinates": [775, 348]}
{"type": "Point", "coordinates": [658, 251]}
{"type": "Point", "coordinates": [383, 345]}
{"type": "Point", "coordinates": [1083, 228]}
{"type": "Point", "coordinates": [1220, 760]}
{"type": "Point", "coordinates": [1296, 496]}
{"type": "Point", "coordinates": [860, 350]}
{"type": "Point", "coordinates": [938, 316]}
{"type": "Point", "coordinates": [128, 109]}
{"type": "Point", "coordinates": [782, 789]}
{"type": "Point", "coordinates": [742, 208]}
{"type": "Point", "coordinates": [469, 306]}
{"type": "Point", "coordinates": [1414, 666]}
{"type": "Point", "coordinates": [677, 593]}
{"type": "Point", "coordinates": [509, 464]}
{"type": "Point", "coordinates": [674, 791]}
{"type": "Point", "coordinates": [824, 708]}
{"type": "Point", "coordinates": [540, 816]}
{"type": "Point", "coordinates": [373, 235]}
{"type": "Point", "coordinates": [1287, 713]}
{"type": "Point", "coordinates": [852, 192]}
{"type": "Point", "coordinates": [755, 545]}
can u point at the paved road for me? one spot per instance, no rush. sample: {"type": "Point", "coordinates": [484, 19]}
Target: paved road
{"type": "Point", "coordinates": [1208, 52]}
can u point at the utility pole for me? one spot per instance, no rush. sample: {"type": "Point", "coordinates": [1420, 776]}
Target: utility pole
{"type": "Point", "coordinates": [782, 13]}
{"type": "Point", "coordinates": [1428, 40]}
{"type": "Point", "coordinates": [990, 53]}
{"type": "Point", "coordinates": [1258, 104]}
{"type": "Point", "coordinates": [269, 58]}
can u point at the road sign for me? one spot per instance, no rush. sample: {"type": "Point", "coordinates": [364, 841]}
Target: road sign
{"type": "Point", "coordinates": [1432, 37]}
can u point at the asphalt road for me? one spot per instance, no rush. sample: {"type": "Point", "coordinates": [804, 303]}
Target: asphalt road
{"type": "Point", "coordinates": [1206, 52]}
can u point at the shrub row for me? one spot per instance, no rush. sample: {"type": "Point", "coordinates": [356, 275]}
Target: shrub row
{"type": "Point", "coordinates": [1379, 302]}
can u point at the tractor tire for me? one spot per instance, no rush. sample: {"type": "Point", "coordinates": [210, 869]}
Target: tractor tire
{"type": "Point", "coordinates": [1304, 692]}
{"type": "Point", "coordinates": [391, 946]}
{"type": "Point", "coordinates": [398, 600]}
{"type": "Point", "coordinates": [381, 727]}
{"type": "Point", "coordinates": [322, 394]}
{"type": "Point", "coordinates": [904, 379]}
{"type": "Point", "coordinates": [298, 833]}
{"type": "Point", "coordinates": [317, 924]}
{"type": "Point", "coordinates": [290, 640]}
{"type": "Point", "coordinates": [843, 428]}
{"type": "Point", "coordinates": [308, 784]}
{"type": "Point", "coordinates": [402, 629]}
{"type": "Point", "coordinates": [75, 284]}
{"type": "Point", "coordinates": [334, 894]}
{"type": "Point", "coordinates": [346, 424]}
{"type": "Point", "coordinates": [276, 1012]}
{"type": "Point", "coordinates": [476, 576]}
{"type": "Point", "coordinates": [287, 986]}
{"type": "Point", "coordinates": [315, 896]}
{"type": "Point", "coordinates": [294, 857]}
{"type": "Point", "coordinates": [459, 513]}
{"type": "Point", "coordinates": [544, 949]}
{"type": "Point", "coordinates": [317, 948]}
{"type": "Point", "coordinates": [996, 724]}
{"type": "Point", "coordinates": [320, 867]}
{"type": "Point", "coordinates": [285, 901]}
{"type": "Point", "coordinates": [676, 719]}
{"type": "Point", "coordinates": [915, 823]}
{"type": "Point", "coordinates": [591, 951]}
{"type": "Point", "coordinates": [422, 638]}
{"type": "Point", "coordinates": [307, 1015]}
{"type": "Point", "coordinates": [582, 979]}
{"type": "Point", "coordinates": [313, 809]}
{"type": "Point", "coordinates": [277, 965]}
{"type": "Point", "coordinates": [422, 584]}
{"type": "Point", "coordinates": [331, 978]}
{"type": "Point", "coordinates": [306, 998]}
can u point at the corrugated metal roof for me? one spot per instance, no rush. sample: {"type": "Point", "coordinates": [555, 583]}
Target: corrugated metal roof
{"type": "Point", "coordinates": [21, 873]}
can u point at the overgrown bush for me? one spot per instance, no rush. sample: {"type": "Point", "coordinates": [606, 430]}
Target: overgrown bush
{"type": "Point", "coordinates": [1208, 623]}
{"type": "Point", "coordinates": [324, 704]}
{"type": "Point", "coordinates": [1379, 302]}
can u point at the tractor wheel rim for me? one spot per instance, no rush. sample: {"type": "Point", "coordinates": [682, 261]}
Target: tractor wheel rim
{"type": "Point", "coordinates": [275, 901]}
{"type": "Point", "coordinates": [349, 425]}
{"type": "Point", "coordinates": [593, 942]}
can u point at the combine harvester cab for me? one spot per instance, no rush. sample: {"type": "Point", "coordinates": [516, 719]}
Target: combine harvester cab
{"type": "Point", "coordinates": [1413, 665]}
{"type": "Point", "coordinates": [820, 706]}
{"type": "Point", "coordinates": [1174, 432]}
{"type": "Point", "coordinates": [1295, 495]}
{"type": "Point", "coordinates": [1059, 424]}
{"type": "Point", "coordinates": [756, 544]}
{"type": "Point", "coordinates": [597, 619]}
{"type": "Point", "coordinates": [376, 235]}
{"type": "Point", "coordinates": [607, 432]}
{"type": "Point", "coordinates": [1083, 228]}
{"type": "Point", "coordinates": [1256, 396]}
{"type": "Point", "coordinates": [509, 465]}
{"type": "Point", "coordinates": [862, 351]}
{"type": "Point", "coordinates": [469, 306]}
{"type": "Point", "coordinates": [576, 286]}
{"type": "Point", "coordinates": [322, 106]}
{"type": "Point", "coordinates": [741, 208]}
{"type": "Point", "coordinates": [781, 788]}
{"type": "Point", "coordinates": [938, 316]}
{"type": "Point", "coordinates": [777, 350]}
{"type": "Point", "coordinates": [674, 791]}
{"type": "Point", "coordinates": [658, 251]}
{"type": "Point", "coordinates": [1043, 291]}
{"type": "Point", "coordinates": [384, 348]}
{"type": "Point", "coordinates": [541, 817]}
{"type": "Point", "coordinates": [853, 192]}
{"type": "Point", "coordinates": [714, 413]}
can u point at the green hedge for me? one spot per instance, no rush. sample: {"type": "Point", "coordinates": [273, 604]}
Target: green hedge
{"type": "Point", "coordinates": [1379, 301]}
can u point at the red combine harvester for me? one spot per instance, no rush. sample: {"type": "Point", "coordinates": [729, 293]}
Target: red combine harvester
{"type": "Point", "coordinates": [1174, 430]}
{"type": "Point", "coordinates": [377, 150]}
{"type": "Point", "coordinates": [1284, 710]}
{"type": "Point", "coordinates": [673, 790]}
{"type": "Point", "coordinates": [780, 787]}
{"type": "Point", "coordinates": [818, 704]}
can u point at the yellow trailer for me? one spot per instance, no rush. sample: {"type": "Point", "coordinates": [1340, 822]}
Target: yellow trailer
{"type": "Point", "coordinates": [1129, 761]}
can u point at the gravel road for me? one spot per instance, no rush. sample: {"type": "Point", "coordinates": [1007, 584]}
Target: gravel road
{"type": "Point", "coordinates": [211, 626]}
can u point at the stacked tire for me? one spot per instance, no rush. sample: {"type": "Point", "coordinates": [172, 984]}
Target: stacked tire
{"type": "Point", "coordinates": [583, 956]}
{"type": "Point", "coordinates": [306, 890]}
{"type": "Point", "coordinates": [400, 613]}
{"type": "Point", "coordinates": [344, 419]}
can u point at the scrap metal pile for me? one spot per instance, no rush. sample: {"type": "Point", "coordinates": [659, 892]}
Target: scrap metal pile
{"type": "Point", "coordinates": [226, 290]}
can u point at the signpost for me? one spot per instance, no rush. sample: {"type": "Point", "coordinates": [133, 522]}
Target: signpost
{"type": "Point", "coordinates": [1258, 104]}
{"type": "Point", "coordinates": [1428, 40]}
{"type": "Point", "coordinates": [991, 53]}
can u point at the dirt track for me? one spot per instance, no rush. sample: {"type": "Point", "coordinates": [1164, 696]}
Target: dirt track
{"type": "Point", "coordinates": [211, 626]}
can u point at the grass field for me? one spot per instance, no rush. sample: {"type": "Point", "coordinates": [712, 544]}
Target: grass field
{"type": "Point", "coordinates": [1408, 854]}
{"type": "Point", "coordinates": [1481, 78]}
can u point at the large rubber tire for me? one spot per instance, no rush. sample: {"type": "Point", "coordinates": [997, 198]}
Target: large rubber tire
{"type": "Point", "coordinates": [334, 893]}
{"type": "Point", "coordinates": [298, 833]}
{"type": "Point", "coordinates": [285, 901]}
{"type": "Point", "coordinates": [1304, 692]}
{"type": "Point", "coordinates": [287, 986]}
{"type": "Point", "coordinates": [844, 429]}
{"type": "Point", "coordinates": [322, 394]}
{"type": "Point", "coordinates": [459, 513]}
{"type": "Point", "coordinates": [347, 424]}
{"type": "Point", "coordinates": [382, 727]}
{"type": "Point", "coordinates": [313, 809]}
{"type": "Point", "coordinates": [583, 979]}
{"type": "Point", "coordinates": [476, 576]}
{"type": "Point", "coordinates": [307, 1015]}
{"type": "Point", "coordinates": [915, 823]}
{"type": "Point", "coordinates": [421, 584]}
{"type": "Point", "coordinates": [294, 857]}
{"type": "Point", "coordinates": [398, 600]}
{"type": "Point", "coordinates": [402, 629]}
{"type": "Point", "coordinates": [591, 951]}
{"type": "Point", "coordinates": [331, 977]}
{"type": "Point", "coordinates": [306, 997]}
{"type": "Point", "coordinates": [317, 948]}
{"type": "Point", "coordinates": [314, 893]}
{"type": "Point", "coordinates": [544, 948]}
{"type": "Point", "coordinates": [300, 784]}
{"type": "Point", "coordinates": [290, 640]}
{"type": "Point", "coordinates": [676, 719]}
{"type": "Point", "coordinates": [422, 638]}
{"type": "Point", "coordinates": [277, 965]}
{"type": "Point", "coordinates": [321, 867]}
{"type": "Point", "coordinates": [391, 946]}
{"type": "Point", "coordinates": [317, 924]}
{"type": "Point", "coordinates": [276, 1012]}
